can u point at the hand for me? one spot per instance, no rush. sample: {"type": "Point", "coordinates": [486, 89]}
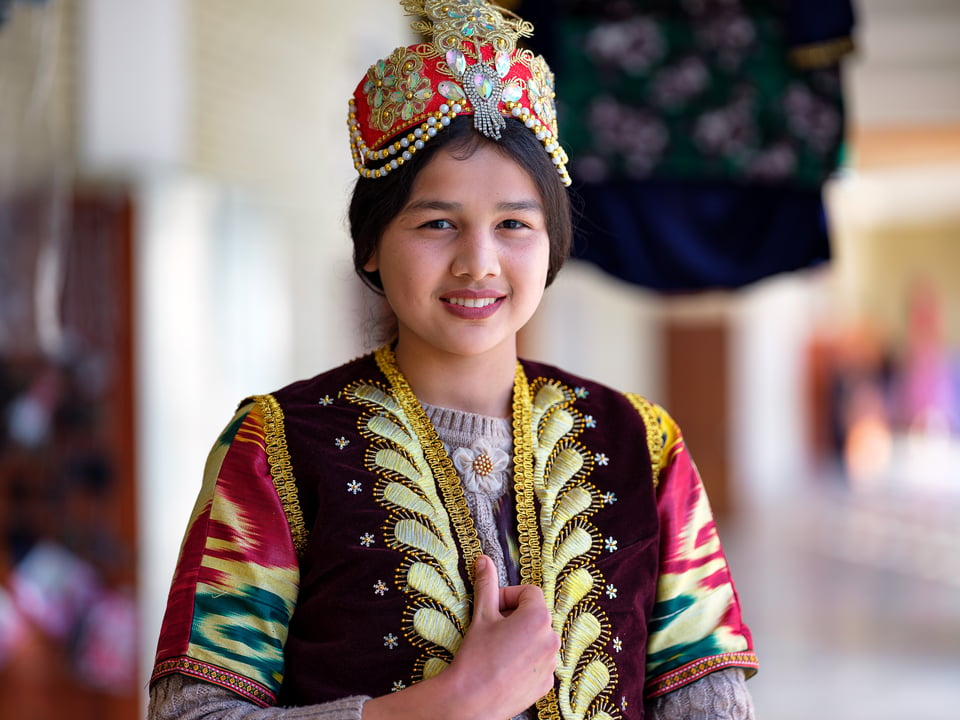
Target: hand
{"type": "Point", "coordinates": [504, 665]}
{"type": "Point", "coordinates": [510, 650]}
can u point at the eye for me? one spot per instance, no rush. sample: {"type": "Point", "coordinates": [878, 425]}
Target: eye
{"type": "Point", "coordinates": [437, 225]}
{"type": "Point", "coordinates": [512, 225]}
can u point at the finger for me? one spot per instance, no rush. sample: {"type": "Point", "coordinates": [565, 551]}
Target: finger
{"type": "Point", "coordinates": [529, 596]}
{"type": "Point", "coordinates": [509, 598]}
{"type": "Point", "coordinates": [486, 590]}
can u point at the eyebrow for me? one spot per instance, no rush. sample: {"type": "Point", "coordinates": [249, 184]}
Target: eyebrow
{"type": "Point", "coordinates": [515, 206]}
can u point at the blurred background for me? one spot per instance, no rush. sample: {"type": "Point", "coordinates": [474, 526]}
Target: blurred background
{"type": "Point", "coordinates": [173, 180]}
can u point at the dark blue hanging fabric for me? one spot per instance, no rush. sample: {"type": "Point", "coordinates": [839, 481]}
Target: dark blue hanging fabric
{"type": "Point", "coordinates": [811, 22]}
{"type": "Point", "coordinates": [674, 236]}
{"type": "Point", "coordinates": [700, 133]}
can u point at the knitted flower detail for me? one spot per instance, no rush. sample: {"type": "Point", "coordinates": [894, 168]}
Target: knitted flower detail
{"type": "Point", "coordinates": [481, 467]}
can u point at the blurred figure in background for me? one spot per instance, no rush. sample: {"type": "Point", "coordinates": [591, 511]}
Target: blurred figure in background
{"type": "Point", "coordinates": [926, 398]}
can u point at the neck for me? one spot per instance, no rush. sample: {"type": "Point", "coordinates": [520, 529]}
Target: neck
{"type": "Point", "coordinates": [477, 384]}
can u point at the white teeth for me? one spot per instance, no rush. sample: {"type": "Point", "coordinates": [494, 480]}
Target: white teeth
{"type": "Point", "coordinates": [472, 302]}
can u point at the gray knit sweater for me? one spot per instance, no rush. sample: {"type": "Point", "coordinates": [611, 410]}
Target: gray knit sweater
{"type": "Point", "coordinates": [721, 695]}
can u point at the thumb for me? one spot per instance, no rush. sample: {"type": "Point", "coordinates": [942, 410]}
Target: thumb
{"type": "Point", "coordinates": [486, 590]}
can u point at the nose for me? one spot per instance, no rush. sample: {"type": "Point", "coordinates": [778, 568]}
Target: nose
{"type": "Point", "coordinates": [476, 255]}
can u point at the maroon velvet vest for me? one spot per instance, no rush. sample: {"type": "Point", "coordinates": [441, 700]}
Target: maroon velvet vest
{"type": "Point", "coordinates": [385, 592]}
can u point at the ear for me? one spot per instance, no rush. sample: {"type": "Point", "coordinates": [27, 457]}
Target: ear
{"type": "Point", "coordinates": [373, 264]}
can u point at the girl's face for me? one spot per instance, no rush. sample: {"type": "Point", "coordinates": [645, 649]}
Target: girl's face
{"type": "Point", "coordinates": [464, 263]}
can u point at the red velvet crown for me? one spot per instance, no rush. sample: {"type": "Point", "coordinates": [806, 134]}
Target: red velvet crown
{"type": "Point", "coordinates": [472, 66]}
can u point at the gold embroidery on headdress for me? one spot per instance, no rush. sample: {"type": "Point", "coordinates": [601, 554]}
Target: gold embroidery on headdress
{"type": "Point", "coordinates": [470, 65]}
{"type": "Point", "coordinates": [452, 22]}
{"type": "Point", "coordinates": [460, 29]}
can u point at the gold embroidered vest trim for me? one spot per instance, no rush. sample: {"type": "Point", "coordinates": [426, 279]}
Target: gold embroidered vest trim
{"type": "Point", "coordinates": [655, 437]}
{"type": "Point", "coordinates": [570, 544]}
{"type": "Point", "coordinates": [559, 543]}
{"type": "Point", "coordinates": [440, 463]}
{"type": "Point", "coordinates": [281, 469]}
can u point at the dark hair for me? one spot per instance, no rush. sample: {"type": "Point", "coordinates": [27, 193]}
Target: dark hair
{"type": "Point", "coordinates": [376, 201]}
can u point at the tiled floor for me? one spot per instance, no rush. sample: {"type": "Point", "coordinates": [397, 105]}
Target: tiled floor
{"type": "Point", "coordinates": [854, 602]}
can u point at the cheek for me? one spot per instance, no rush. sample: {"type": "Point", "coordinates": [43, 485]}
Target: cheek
{"type": "Point", "coordinates": [538, 263]}
{"type": "Point", "coordinates": [531, 269]}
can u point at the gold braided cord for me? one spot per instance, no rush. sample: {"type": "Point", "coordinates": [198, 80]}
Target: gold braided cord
{"type": "Point", "coordinates": [531, 566]}
{"type": "Point", "coordinates": [651, 419]}
{"type": "Point", "coordinates": [531, 563]}
{"type": "Point", "coordinates": [281, 469]}
{"type": "Point", "coordinates": [547, 708]}
{"type": "Point", "coordinates": [437, 457]}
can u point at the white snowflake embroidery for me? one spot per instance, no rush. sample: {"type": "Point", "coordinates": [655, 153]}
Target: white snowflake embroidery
{"type": "Point", "coordinates": [326, 400]}
{"type": "Point", "coordinates": [481, 466]}
{"type": "Point", "coordinates": [617, 644]}
{"type": "Point", "coordinates": [623, 703]}
{"type": "Point", "coordinates": [601, 459]}
{"type": "Point", "coordinates": [398, 685]}
{"type": "Point", "coordinates": [581, 392]}
{"type": "Point", "coordinates": [354, 487]}
{"type": "Point", "coordinates": [611, 591]}
{"type": "Point", "coordinates": [589, 421]}
{"type": "Point", "coordinates": [609, 498]}
{"type": "Point", "coordinates": [390, 641]}
{"type": "Point", "coordinates": [367, 539]}
{"type": "Point", "coordinates": [341, 443]}
{"type": "Point", "coordinates": [380, 588]}
{"type": "Point", "coordinates": [610, 544]}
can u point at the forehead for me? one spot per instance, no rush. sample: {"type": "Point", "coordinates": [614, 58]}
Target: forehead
{"type": "Point", "coordinates": [481, 172]}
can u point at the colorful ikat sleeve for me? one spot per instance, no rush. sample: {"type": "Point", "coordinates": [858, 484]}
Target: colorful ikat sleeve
{"type": "Point", "coordinates": [696, 627]}
{"type": "Point", "coordinates": [236, 582]}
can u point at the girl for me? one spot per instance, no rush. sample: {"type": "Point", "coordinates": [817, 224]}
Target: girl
{"type": "Point", "coordinates": [439, 529]}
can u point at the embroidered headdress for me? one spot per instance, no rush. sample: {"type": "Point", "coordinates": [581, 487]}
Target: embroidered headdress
{"type": "Point", "coordinates": [470, 66]}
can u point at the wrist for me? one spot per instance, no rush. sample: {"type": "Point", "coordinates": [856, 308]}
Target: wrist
{"type": "Point", "coordinates": [445, 696]}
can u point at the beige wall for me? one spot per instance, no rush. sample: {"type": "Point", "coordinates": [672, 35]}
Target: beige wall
{"type": "Point", "coordinates": [271, 84]}
{"type": "Point", "coordinates": [37, 99]}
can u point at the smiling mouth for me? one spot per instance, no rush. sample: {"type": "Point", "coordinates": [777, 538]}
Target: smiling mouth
{"type": "Point", "coordinates": [471, 302]}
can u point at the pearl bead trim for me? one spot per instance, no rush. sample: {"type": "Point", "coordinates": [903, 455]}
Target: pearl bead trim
{"type": "Point", "coordinates": [402, 150]}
